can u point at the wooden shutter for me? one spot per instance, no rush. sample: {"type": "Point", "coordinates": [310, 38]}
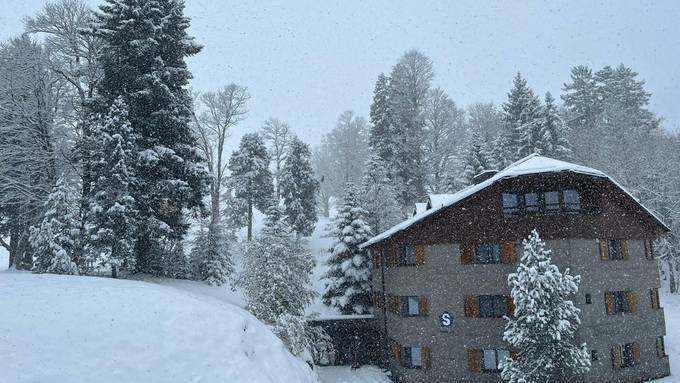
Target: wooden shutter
{"type": "Point", "coordinates": [510, 307]}
{"type": "Point", "coordinates": [609, 302]}
{"type": "Point", "coordinates": [420, 255]}
{"type": "Point", "coordinates": [396, 352]}
{"type": "Point", "coordinates": [649, 251]}
{"type": "Point", "coordinates": [467, 252]}
{"type": "Point", "coordinates": [508, 252]}
{"type": "Point", "coordinates": [471, 306]}
{"type": "Point", "coordinates": [625, 249]}
{"type": "Point", "coordinates": [475, 360]}
{"type": "Point", "coordinates": [631, 299]}
{"type": "Point", "coordinates": [392, 256]}
{"type": "Point", "coordinates": [616, 357]}
{"type": "Point", "coordinates": [393, 304]}
{"type": "Point", "coordinates": [422, 306]}
{"type": "Point", "coordinates": [426, 359]}
{"type": "Point", "coordinates": [636, 352]}
{"type": "Point", "coordinates": [660, 349]}
{"type": "Point", "coordinates": [604, 250]}
{"type": "Point", "coordinates": [654, 297]}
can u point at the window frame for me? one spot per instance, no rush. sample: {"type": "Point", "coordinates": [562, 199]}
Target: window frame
{"type": "Point", "coordinates": [497, 359]}
{"type": "Point", "coordinates": [571, 207]}
{"type": "Point", "coordinates": [497, 304]}
{"type": "Point", "coordinates": [407, 357]}
{"type": "Point", "coordinates": [568, 200]}
{"type": "Point", "coordinates": [615, 250]}
{"type": "Point", "coordinates": [405, 309]}
{"type": "Point", "coordinates": [402, 256]}
{"type": "Point", "coordinates": [627, 355]}
{"type": "Point", "coordinates": [489, 259]}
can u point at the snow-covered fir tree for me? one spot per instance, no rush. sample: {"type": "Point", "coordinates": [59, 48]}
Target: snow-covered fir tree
{"type": "Point", "coordinates": [251, 178]}
{"type": "Point", "coordinates": [176, 263]}
{"type": "Point", "coordinates": [299, 187]}
{"type": "Point", "coordinates": [275, 279]}
{"type": "Point", "coordinates": [553, 137]}
{"type": "Point", "coordinates": [145, 44]}
{"type": "Point", "coordinates": [113, 213]}
{"type": "Point", "coordinates": [54, 239]}
{"type": "Point", "coordinates": [379, 196]}
{"type": "Point", "coordinates": [476, 158]}
{"type": "Point", "coordinates": [349, 278]}
{"type": "Point", "coordinates": [521, 121]}
{"type": "Point", "coordinates": [381, 133]}
{"type": "Point", "coordinates": [545, 320]}
{"type": "Point", "coordinates": [211, 255]}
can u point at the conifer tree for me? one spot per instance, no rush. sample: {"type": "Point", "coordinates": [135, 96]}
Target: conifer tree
{"type": "Point", "coordinates": [521, 117]}
{"type": "Point", "coordinates": [54, 239]}
{"type": "Point", "coordinates": [299, 188]}
{"type": "Point", "coordinates": [211, 255]}
{"type": "Point", "coordinates": [553, 138]}
{"type": "Point", "coordinates": [113, 213]}
{"type": "Point", "coordinates": [379, 196]}
{"type": "Point", "coordinates": [476, 158]}
{"type": "Point", "coordinates": [250, 176]}
{"type": "Point", "coordinates": [381, 133]}
{"type": "Point", "coordinates": [545, 320]}
{"type": "Point", "coordinates": [349, 279]}
{"type": "Point", "coordinates": [176, 263]}
{"type": "Point", "coordinates": [275, 279]}
{"type": "Point", "coordinates": [145, 44]}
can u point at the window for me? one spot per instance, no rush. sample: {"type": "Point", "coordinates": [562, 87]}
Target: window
{"type": "Point", "coordinates": [407, 256]}
{"type": "Point", "coordinates": [510, 204]}
{"type": "Point", "coordinates": [615, 249]}
{"type": "Point", "coordinates": [589, 299]}
{"type": "Point", "coordinates": [620, 302]}
{"type": "Point", "coordinates": [551, 200]}
{"type": "Point", "coordinates": [531, 204]}
{"type": "Point", "coordinates": [409, 306]}
{"type": "Point", "coordinates": [572, 200]}
{"type": "Point", "coordinates": [492, 306]}
{"type": "Point", "coordinates": [594, 356]}
{"type": "Point", "coordinates": [660, 347]}
{"type": "Point", "coordinates": [412, 357]}
{"type": "Point", "coordinates": [493, 360]}
{"type": "Point", "coordinates": [487, 253]}
{"type": "Point", "coordinates": [654, 297]}
{"type": "Point", "coordinates": [628, 355]}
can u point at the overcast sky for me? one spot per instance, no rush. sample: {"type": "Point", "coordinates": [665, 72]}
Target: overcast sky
{"type": "Point", "coordinates": [307, 61]}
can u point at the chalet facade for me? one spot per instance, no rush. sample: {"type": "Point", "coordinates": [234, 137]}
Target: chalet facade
{"type": "Point", "coordinates": [440, 277]}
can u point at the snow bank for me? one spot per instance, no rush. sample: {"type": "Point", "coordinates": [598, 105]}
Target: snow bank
{"type": "Point", "coordinates": [82, 329]}
{"type": "Point", "coordinates": [671, 308]}
{"type": "Point", "coordinates": [343, 374]}
{"type": "Point", "coordinates": [4, 258]}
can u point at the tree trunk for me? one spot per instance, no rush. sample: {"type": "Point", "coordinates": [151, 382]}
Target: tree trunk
{"type": "Point", "coordinates": [250, 220]}
{"type": "Point", "coordinates": [114, 271]}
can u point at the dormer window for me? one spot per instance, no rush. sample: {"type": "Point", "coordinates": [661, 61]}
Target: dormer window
{"type": "Point", "coordinates": [572, 200]}
{"type": "Point", "coordinates": [531, 203]}
{"type": "Point", "coordinates": [510, 204]}
{"type": "Point", "coordinates": [552, 200]}
{"type": "Point", "coordinates": [535, 202]}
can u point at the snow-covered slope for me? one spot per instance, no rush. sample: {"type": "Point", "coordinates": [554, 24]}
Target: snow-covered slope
{"type": "Point", "coordinates": [4, 258]}
{"type": "Point", "coordinates": [671, 308]}
{"type": "Point", "coordinates": [81, 329]}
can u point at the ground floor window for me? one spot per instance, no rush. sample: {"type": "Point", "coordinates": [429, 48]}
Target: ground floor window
{"type": "Point", "coordinates": [494, 359]}
{"type": "Point", "coordinates": [625, 355]}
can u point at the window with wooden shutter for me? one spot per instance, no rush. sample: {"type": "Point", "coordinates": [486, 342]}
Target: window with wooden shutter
{"type": "Point", "coordinates": [609, 302]}
{"type": "Point", "coordinates": [625, 249]}
{"type": "Point", "coordinates": [508, 252]}
{"type": "Point", "coordinates": [426, 357]}
{"type": "Point", "coordinates": [396, 352]}
{"type": "Point", "coordinates": [604, 250]}
{"type": "Point", "coordinates": [422, 306]}
{"type": "Point", "coordinates": [649, 249]}
{"type": "Point", "coordinates": [660, 348]}
{"type": "Point", "coordinates": [631, 300]}
{"type": "Point", "coordinates": [636, 353]}
{"type": "Point", "coordinates": [510, 305]}
{"type": "Point", "coordinates": [654, 297]}
{"type": "Point", "coordinates": [467, 252]}
{"type": "Point", "coordinates": [392, 256]}
{"type": "Point", "coordinates": [616, 357]}
{"type": "Point", "coordinates": [420, 255]}
{"type": "Point", "coordinates": [475, 360]}
{"type": "Point", "coordinates": [471, 306]}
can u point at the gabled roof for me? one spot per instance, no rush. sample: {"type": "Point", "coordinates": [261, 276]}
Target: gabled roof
{"type": "Point", "coordinates": [532, 164]}
{"type": "Point", "coordinates": [435, 200]}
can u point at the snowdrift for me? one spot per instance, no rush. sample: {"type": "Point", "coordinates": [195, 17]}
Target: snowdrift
{"type": "Point", "coordinates": [82, 329]}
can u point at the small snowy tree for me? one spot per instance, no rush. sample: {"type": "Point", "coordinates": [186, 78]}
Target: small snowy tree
{"type": "Point", "coordinates": [299, 187]}
{"type": "Point", "coordinates": [112, 211]}
{"type": "Point", "coordinates": [349, 285]}
{"type": "Point", "coordinates": [553, 137]}
{"type": "Point", "coordinates": [476, 158]}
{"type": "Point", "coordinates": [545, 320]}
{"type": "Point", "coordinates": [211, 255]}
{"type": "Point", "coordinates": [379, 196]}
{"type": "Point", "coordinates": [176, 264]}
{"type": "Point", "coordinates": [275, 280]}
{"type": "Point", "coordinates": [54, 240]}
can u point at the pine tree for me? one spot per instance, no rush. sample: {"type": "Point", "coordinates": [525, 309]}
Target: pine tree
{"type": "Point", "coordinates": [521, 116]}
{"type": "Point", "coordinates": [113, 212]}
{"type": "Point", "coordinates": [349, 279]}
{"type": "Point", "coordinates": [275, 280]}
{"type": "Point", "coordinates": [176, 263]}
{"type": "Point", "coordinates": [299, 187]}
{"type": "Point", "coordinates": [211, 256]}
{"type": "Point", "coordinates": [553, 138]}
{"type": "Point", "coordinates": [251, 177]}
{"type": "Point", "coordinates": [379, 196]}
{"type": "Point", "coordinates": [381, 133]}
{"type": "Point", "coordinates": [476, 158]}
{"type": "Point", "coordinates": [54, 240]}
{"type": "Point", "coordinates": [145, 44]}
{"type": "Point", "coordinates": [545, 321]}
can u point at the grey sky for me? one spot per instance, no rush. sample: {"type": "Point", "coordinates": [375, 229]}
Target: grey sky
{"type": "Point", "coordinates": [307, 61]}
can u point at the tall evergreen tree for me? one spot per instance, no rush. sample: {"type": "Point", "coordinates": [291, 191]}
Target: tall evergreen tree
{"type": "Point", "coordinates": [476, 158]}
{"type": "Point", "coordinates": [251, 177]}
{"type": "Point", "coordinates": [545, 320]}
{"type": "Point", "coordinates": [113, 213]}
{"type": "Point", "coordinates": [381, 133]}
{"type": "Point", "coordinates": [145, 44]}
{"type": "Point", "coordinates": [554, 141]}
{"type": "Point", "coordinates": [378, 196]}
{"type": "Point", "coordinates": [299, 187]}
{"type": "Point", "coordinates": [54, 239]}
{"type": "Point", "coordinates": [583, 109]}
{"type": "Point", "coordinates": [211, 255]}
{"type": "Point", "coordinates": [349, 278]}
{"type": "Point", "coordinates": [521, 117]}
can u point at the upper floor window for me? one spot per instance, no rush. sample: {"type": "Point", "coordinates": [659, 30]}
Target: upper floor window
{"type": "Point", "coordinates": [494, 359]}
{"type": "Point", "coordinates": [620, 302]}
{"type": "Point", "coordinates": [551, 200]}
{"type": "Point", "coordinates": [532, 202]}
{"type": "Point", "coordinates": [407, 255]}
{"type": "Point", "coordinates": [510, 204]}
{"type": "Point", "coordinates": [572, 200]}
{"type": "Point", "coordinates": [487, 253]}
{"type": "Point", "coordinates": [614, 249]}
{"type": "Point", "coordinates": [413, 357]}
{"type": "Point", "coordinates": [626, 355]}
{"type": "Point", "coordinates": [492, 306]}
{"type": "Point", "coordinates": [410, 306]}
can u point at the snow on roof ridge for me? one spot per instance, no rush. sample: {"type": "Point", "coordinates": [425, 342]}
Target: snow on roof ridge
{"type": "Point", "coordinates": [551, 166]}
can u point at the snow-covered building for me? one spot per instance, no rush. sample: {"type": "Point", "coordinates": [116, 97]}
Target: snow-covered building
{"type": "Point", "coordinates": [440, 277]}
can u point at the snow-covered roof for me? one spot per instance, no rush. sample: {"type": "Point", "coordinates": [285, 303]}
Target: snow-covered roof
{"type": "Point", "coordinates": [531, 164]}
{"type": "Point", "coordinates": [419, 208]}
{"type": "Point", "coordinates": [435, 200]}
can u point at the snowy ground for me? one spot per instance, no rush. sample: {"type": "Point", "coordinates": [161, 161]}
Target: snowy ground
{"type": "Point", "coordinates": [85, 329]}
{"type": "Point", "coordinates": [4, 258]}
{"type": "Point", "coordinates": [671, 306]}
{"type": "Point", "coordinates": [342, 374]}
